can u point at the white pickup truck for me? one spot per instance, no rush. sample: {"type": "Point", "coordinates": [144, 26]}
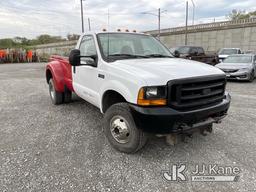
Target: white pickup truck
{"type": "Point", "coordinates": [139, 86]}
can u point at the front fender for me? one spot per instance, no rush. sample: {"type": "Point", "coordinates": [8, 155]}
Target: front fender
{"type": "Point", "coordinates": [119, 88]}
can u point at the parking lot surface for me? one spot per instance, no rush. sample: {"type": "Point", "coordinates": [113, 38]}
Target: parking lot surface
{"type": "Point", "coordinates": [63, 148]}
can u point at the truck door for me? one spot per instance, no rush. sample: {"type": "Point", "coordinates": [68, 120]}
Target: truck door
{"type": "Point", "coordinates": [201, 55]}
{"type": "Point", "coordinates": [85, 77]}
{"type": "Point", "coordinates": [194, 53]}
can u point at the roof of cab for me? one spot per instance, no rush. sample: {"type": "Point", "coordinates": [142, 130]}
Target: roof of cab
{"type": "Point", "coordinates": [230, 48]}
{"type": "Point", "coordinates": [116, 32]}
{"type": "Point", "coordinates": [240, 55]}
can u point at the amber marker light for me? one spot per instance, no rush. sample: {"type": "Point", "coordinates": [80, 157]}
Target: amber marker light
{"type": "Point", "coordinates": [144, 100]}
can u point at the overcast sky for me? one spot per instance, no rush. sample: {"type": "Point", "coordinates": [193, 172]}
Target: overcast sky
{"type": "Point", "coordinates": [30, 18]}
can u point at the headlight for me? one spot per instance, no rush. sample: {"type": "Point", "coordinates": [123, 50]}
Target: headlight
{"type": "Point", "coordinates": [152, 96]}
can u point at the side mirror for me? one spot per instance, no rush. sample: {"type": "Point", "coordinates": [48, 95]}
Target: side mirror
{"type": "Point", "coordinates": [74, 57]}
{"type": "Point", "coordinates": [176, 54]}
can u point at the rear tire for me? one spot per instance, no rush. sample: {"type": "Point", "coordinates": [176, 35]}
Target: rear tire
{"type": "Point", "coordinates": [56, 96]}
{"type": "Point", "coordinates": [121, 131]}
{"type": "Point", "coordinates": [67, 96]}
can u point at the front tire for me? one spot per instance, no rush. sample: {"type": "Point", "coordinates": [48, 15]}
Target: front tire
{"type": "Point", "coordinates": [56, 96]}
{"type": "Point", "coordinates": [252, 77]}
{"type": "Point", "coordinates": [121, 131]}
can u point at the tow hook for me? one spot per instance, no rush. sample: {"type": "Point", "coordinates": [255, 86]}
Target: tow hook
{"type": "Point", "coordinates": [172, 139]}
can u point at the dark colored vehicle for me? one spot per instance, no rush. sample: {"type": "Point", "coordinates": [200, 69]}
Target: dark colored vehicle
{"type": "Point", "coordinates": [195, 53]}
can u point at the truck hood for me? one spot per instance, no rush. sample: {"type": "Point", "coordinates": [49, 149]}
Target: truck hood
{"type": "Point", "coordinates": [158, 71]}
{"type": "Point", "coordinates": [233, 65]}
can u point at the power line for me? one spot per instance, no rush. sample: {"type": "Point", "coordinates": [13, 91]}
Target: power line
{"type": "Point", "coordinates": [159, 19]}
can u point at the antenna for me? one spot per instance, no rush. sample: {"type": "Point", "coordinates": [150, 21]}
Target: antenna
{"type": "Point", "coordinates": [89, 23]}
{"type": "Point", "coordinates": [108, 19]}
{"type": "Point", "coordinates": [108, 33]}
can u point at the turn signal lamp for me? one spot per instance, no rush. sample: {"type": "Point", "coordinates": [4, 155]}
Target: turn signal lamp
{"type": "Point", "coordinates": [152, 96]}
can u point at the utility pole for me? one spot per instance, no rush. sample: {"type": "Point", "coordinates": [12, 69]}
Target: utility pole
{"type": "Point", "coordinates": [89, 24]}
{"type": "Point", "coordinates": [159, 23]}
{"type": "Point", "coordinates": [186, 31]}
{"type": "Point", "coordinates": [193, 22]}
{"type": "Point", "coordinates": [82, 15]}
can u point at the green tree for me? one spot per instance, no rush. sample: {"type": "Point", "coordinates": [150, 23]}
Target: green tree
{"type": "Point", "coordinates": [24, 42]}
{"type": "Point", "coordinates": [238, 14]}
{"type": "Point", "coordinates": [44, 39]}
{"type": "Point", "coordinates": [71, 37]}
{"type": "Point", "coordinates": [7, 43]}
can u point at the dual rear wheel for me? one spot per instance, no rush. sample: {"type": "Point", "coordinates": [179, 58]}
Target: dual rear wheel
{"type": "Point", "coordinates": [57, 97]}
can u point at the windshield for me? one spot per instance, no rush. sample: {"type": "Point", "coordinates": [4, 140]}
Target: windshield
{"type": "Point", "coordinates": [228, 51]}
{"type": "Point", "coordinates": [116, 46]}
{"type": "Point", "coordinates": [183, 50]}
{"type": "Point", "coordinates": [238, 59]}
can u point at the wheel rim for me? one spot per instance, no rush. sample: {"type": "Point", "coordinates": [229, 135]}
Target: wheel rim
{"type": "Point", "coordinates": [51, 89]}
{"type": "Point", "coordinates": [120, 129]}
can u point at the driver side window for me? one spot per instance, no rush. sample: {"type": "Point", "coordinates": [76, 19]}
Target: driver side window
{"type": "Point", "coordinates": [87, 46]}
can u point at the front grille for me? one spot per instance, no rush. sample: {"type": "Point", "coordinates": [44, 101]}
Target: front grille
{"type": "Point", "coordinates": [230, 70]}
{"type": "Point", "coordinates": [194, 93]}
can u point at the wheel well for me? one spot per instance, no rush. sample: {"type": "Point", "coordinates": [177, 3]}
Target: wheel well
{"type": "Point", "coordinates": [110, 98]}
{"type": "Point", "coordinates": [48, 75]}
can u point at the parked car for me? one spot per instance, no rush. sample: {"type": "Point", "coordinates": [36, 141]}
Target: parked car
{"type": "Point", "coordinates": [240, 67]}
{"type": "Point", "coordinates": [195, 53]}
{"type": "Point", "coordinates": [139, 87]}
{"type": "Point", "coordinates": [225, 52]}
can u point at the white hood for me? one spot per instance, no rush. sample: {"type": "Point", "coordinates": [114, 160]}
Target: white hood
{"type": "Point", "coordinates": [158, 71]}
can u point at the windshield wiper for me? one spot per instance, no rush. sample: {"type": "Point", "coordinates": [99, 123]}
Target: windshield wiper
{"type": "Point", "coordinates": [128, 55]}
{"type": "Point", "coordinates": [159, 55]}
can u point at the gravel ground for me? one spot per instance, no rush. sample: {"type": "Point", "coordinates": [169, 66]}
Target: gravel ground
{"type": "Point", "coordinates": [63, 148]}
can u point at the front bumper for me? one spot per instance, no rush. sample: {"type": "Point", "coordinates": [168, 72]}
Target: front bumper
{"type": "Point", "coordinates": [165, 120]}
{"type": "Point", "coordinates": [238, 76]}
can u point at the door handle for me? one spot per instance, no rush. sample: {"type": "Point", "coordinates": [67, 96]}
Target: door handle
{"type": "Point", "coordinates": [101, 76]}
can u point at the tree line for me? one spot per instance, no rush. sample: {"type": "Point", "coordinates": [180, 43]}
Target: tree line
{"type": "Point", "coordinates": [23, 42]}
{"type": "Point", "coordinates": [240, 14]}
